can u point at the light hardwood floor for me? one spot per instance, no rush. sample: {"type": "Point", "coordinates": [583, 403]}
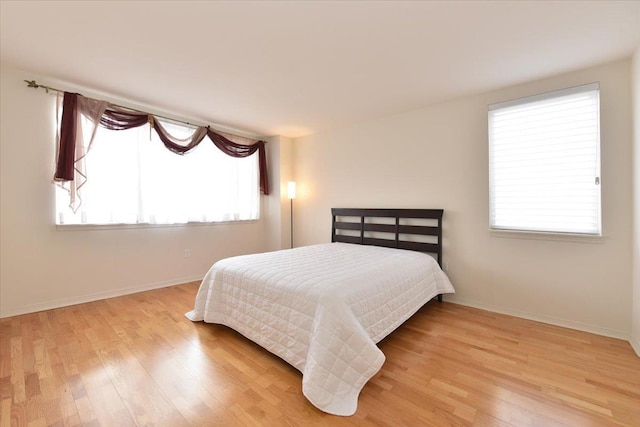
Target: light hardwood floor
{"type": "Point", "coordinates": [136, 360]}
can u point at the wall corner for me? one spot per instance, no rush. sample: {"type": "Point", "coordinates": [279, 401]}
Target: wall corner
{"type": "Point", "coordinates": [276, 207]}
{"type": "Point", "coordinates": [635, 315]}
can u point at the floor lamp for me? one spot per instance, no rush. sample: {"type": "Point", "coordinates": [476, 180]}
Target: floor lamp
{"type": "Point", "coordinates": [291, 193]}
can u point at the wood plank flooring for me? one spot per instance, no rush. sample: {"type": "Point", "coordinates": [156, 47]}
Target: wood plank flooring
{"type": "Point", "coordinates": [136, 360]}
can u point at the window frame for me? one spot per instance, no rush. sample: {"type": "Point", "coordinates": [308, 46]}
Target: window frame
{"type": "Point", "coordinates": [76, 226]}
{"type": "Point", "coordinates": [507, 232]}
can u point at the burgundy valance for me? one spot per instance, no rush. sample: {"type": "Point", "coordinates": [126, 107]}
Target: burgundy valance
{"type": "Point", "coordinates": [114, 117]}
{"type": "Point", "coordinates": [118, 119]}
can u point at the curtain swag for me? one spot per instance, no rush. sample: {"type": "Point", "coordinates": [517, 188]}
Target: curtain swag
{"type": "Point", "coordinates": [72, 148]}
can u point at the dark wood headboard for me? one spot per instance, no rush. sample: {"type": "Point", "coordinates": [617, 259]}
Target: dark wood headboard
{"type": "Point", "coordinates": [393, 231]}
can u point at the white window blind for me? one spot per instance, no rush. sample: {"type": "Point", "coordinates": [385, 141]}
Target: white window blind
{"type": "Point", "coordinates": [544, 162]}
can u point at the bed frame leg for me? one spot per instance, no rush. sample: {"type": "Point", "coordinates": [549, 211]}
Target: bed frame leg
{"type": "Point", "coordinates": [439, 297]}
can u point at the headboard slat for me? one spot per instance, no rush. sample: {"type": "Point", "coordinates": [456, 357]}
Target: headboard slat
{"type": "Point", "coordinates": [420, 247]}
{"type": "Point", "coordinates": [383, 228]}
{"type": "Point", "coordinates": [391, 213]}
{"type": "Point", "coordinates": [418, 229]}
{"type": "Point", "coordinates": [347, 225]}
{"type": "Point", "coordinates": [379, 242]}
{"type": "Point", "coordinates": [347, 239]}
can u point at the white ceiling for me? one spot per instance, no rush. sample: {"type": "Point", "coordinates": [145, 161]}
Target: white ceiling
{"type": "Point", "coordinates": [295, 68]}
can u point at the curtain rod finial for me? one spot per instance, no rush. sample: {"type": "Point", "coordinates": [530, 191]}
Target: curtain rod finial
{"type": "Point", "coordinates": [33, 84]}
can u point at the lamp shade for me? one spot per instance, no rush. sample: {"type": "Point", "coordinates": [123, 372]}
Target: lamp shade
{"type": "Point", "coordinates": [291, 189]}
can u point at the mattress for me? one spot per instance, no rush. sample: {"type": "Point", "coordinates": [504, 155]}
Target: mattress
{"type": "Point", "coordinates": [321, 308]}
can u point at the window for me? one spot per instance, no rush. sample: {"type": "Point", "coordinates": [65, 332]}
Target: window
{"type": "Point", "coordinates": [544, 162]}
{"type": "Point", "coordinates": [132, 178]}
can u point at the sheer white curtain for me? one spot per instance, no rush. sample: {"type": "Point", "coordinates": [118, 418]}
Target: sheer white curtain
{"type": "Point", "coordinates": [133, 178]}
{"type": "Point", "coordinates": [88, 115]}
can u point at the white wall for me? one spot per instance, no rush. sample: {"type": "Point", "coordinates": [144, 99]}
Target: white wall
{"type": "Point", "coordinates": [43, 268]}
{"type": "Point", "coordinates": [276, 208]}
{"type": "Point", "coordinates": [635, 333]}
{"type": "Point", "coordinates": [437, 158]}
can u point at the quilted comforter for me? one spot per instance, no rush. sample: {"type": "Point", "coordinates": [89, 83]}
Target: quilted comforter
{"type": "Point", "coordinates": [321, 308]}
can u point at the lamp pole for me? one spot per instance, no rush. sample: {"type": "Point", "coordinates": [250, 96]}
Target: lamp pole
{"type": "Point", "coordinates": [291, 193]}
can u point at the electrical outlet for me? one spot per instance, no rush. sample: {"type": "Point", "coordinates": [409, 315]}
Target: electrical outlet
{"type": "Point", "coordinates": [445, 266]}
{"type": "Point", "coordinates": [187, 253]}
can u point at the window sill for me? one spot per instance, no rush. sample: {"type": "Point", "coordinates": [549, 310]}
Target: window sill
{"type": "Point", "coordinates": [88, 227]}
{"type": "Point", "coordinates": [538, 235]}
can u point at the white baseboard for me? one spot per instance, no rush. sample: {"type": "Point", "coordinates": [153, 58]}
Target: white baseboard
{"type": "Point", "coordinates": [585, 327]}
{"type": "Point", "coordinates": [635, 344]}
{"type": "Point", "coordinates": [48, 305]}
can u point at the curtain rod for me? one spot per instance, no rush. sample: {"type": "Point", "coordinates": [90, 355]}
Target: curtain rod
{"type": "Point", "coordinates": [35, 85]}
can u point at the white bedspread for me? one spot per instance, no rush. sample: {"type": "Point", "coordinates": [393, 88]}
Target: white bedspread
{"type": "Point", "coordinates": [321, 308]}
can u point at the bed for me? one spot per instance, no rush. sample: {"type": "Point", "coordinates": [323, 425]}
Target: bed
{"type": "Point", "coordinates": [323, 308]}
